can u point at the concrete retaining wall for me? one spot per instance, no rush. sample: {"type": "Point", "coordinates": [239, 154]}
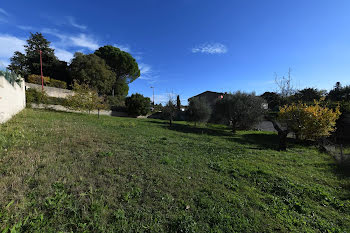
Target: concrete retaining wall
{"type": "Point", "coordinates": [64, 109]}
{"type": "Point", "coordinates": [51, 91]}
{"type": "Point", "coordinates": [12, 99]}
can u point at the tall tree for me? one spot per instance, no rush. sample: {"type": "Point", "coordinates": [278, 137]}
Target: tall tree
{"type": "Point", "coordinates": [93, 71]}
{"type": "Point", "coordinates": [35, 43]}
{"type": "Point", "coordinates": [178, 103]}
{"type": "Point", "coordinates": [19, 64]}
{"type": "Point", "coordinates": [339, 93]}
{"type": "Point", "coordinates": [308, 94]}
{"type": "Point", "coordinates": [29, 63]}
{"type": "Point", "coordinates": [122, 63]}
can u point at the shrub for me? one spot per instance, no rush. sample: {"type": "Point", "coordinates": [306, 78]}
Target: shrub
{"type": "Point", "coordinates": [35, 96]}
{"type": "Point", "coordinates": [116, 103]}
{"type": "Point", "coordinates": [84, 99]}
{"type": "Point", "coordinates": [198, 110]}
{"type": "Point", "coordinates": [137, 104]}
{"type": "Point", "coordinates": [56, 101]}
{"type": "Point", "coordinates": [58, 84]}
{"type": "Point", "coordinates": [309, 121]}
{"type": "Point", "coordinates": [240, 110]}
{"type": "Point", "coordinates": [36, 79]}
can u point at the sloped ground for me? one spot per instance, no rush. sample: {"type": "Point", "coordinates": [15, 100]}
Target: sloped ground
{"type": "Point", "coordinates": [74, 172]}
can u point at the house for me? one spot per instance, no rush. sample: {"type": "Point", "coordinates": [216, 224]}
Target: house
{"type": "Point", "coordinates": [209, 96]}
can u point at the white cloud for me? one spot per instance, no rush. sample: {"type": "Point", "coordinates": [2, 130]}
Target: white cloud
{"type": "Point", "coordinates": [3, 15]}
{"type": "Point", "coordinates": [145, 69]}
{"type": "Point", "coordinates": [147, 73]}
{"type": "Point", "coordinates": [26, 28]}
{"type": "Point", "coordinates": [2, 11]}
{"type": "Point", "coordinates": [9, 44]}
{"type": "Point", "coordinates": [125, 48]}
{"type": "Point", "coordinates": [84, 41]}
{"type": "Point", "coordinates": [72, 22]}
{"type": "Point", "coordinates": [63, 55]}
{"type": "Point", "coordinates": [214, 48]}
{"type": "Point", "coordinates": [81, 40]}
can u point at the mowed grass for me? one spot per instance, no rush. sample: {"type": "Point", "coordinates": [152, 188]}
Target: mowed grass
{"type": "Point", "coordinates": [77, 173]}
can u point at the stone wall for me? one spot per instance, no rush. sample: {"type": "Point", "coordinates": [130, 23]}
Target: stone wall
{"type": "Point", "coordinates": [51, 91]}
{"type": "Point", "coordinates": [12, 99]}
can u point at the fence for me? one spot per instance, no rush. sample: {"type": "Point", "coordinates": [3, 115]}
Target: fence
{"type": "Point", "coordinates": [12, 96]}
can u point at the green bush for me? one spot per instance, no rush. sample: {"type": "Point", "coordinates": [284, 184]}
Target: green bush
{"type": "Point", "coordinates": [116, 103]}
{"type": "Point", "coordinates": [35, 96]}
{"type": "Point", "coordinates": [57, 83]}
{"type": "Point", "coordinates": [56, 101]}
{"type": "Point", "coordinates": [36, 79]}
{"type": "Point", "coordinates": [84, 99]}
{"type": "Point", "coordinates": [137, 104]}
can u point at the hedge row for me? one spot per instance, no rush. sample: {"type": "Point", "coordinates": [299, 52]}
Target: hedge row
{"type": "Point", "coordinates": [36, 79]}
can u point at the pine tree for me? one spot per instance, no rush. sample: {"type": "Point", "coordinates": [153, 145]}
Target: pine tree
{"type": "Point", "coordinates": [35, 43]}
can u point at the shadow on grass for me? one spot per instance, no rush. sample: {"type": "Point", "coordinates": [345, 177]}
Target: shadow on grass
{"type": "Point", "coordinates": [342, 167]}
{"type": "Point", "coordinates": [186, 128]}
{"type": "Point", "coordinates": [258, 140]}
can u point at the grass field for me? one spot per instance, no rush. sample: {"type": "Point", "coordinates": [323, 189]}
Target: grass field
{"type": "Point", "coordinates": [73, 172]}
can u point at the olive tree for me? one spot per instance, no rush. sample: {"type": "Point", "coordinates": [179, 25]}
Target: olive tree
{"type": "Point", "coordinates": [170, 110]}
{"type": "Point", "coordinates": [198, 110]}
{"type": "Point", "coordinates": [240, 110]}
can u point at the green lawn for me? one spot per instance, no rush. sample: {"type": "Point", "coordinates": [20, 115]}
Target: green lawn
{"type": "Point", "coordinates": [73, 172]}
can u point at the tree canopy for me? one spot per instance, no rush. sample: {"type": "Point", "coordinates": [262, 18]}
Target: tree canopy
{"type": "Point", "coordinates": [29, 62]}
{"type": "Point", "coordinates": [309, 94]}
{"type": "Point", "coordinates": [241, 110]}
{"type": "Point", "coordinates": [93, 71]}
{"type": "Point", "coordinates": [198, 110]}
{"type": "Point", "coordinates": [137, 104]}
{"type": "Point", "coordinates": [122, 63]}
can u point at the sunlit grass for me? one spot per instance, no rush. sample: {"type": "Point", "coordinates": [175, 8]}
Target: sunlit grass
{"type": "Point", "coordinates": [75, 172]}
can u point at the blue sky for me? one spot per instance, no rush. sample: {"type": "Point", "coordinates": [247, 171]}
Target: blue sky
{"type": "Point", "coordinates": [189, 46]}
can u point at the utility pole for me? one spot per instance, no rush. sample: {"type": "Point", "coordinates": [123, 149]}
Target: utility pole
{"type": "Point", "coordinates": [41, 68]}
{"type": "Point", "coordinates": [153, 96]}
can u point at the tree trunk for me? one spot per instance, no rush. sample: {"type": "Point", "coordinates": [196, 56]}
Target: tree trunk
{"type": "Point", "coordinates": [98, 113]}
{"type": "Point", "coordinates": [282, 135]}
{"type": "Point", "coordinates": [282, 140]}
{"type": "Point", "coordinates": [233, 124]}
{"type": "Point", "coordinates": [233, 129]}
{"type": "Point", "coordinates": [170, 122]}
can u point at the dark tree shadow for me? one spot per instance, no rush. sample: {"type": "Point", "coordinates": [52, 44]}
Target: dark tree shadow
{"type": "Point", "coordinates": [259, 141]}
{"type": "Point", "coordinates": [186, 128]}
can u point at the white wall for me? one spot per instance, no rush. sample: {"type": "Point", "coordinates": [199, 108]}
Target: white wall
{"type": "Point", "coordinates": [12, 99]}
